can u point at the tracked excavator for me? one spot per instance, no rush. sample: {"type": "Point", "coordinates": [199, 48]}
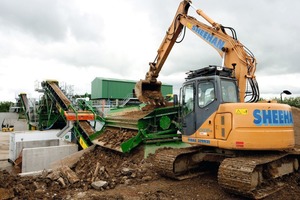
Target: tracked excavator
{"type": "Point", "coordinates": [252, 143]}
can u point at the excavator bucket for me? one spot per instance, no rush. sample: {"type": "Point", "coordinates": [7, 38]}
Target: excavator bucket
{"type": "Point", "coordinates": [148, 92]}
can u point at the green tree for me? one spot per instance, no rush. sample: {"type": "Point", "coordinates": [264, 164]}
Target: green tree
{"type": "Point", "coordinates": [292, 101]}
{"type": "Point", "coordinates": [5, 105]}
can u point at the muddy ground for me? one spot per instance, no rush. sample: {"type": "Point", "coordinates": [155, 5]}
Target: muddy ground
{"type": "Point", "coordinates": [122, 177]}
{"type": "Point", "coordinates": [106, 174]}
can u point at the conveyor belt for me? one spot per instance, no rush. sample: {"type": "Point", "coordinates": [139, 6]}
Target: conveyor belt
{"type": "Point", "coordinates": [86, 127]}
{"type": "Point", "coordinates": [24, 100]}
{"type": "Point", "coordinates": [59, 97]}
{"type": "Point", "coordinates": [29, 113]}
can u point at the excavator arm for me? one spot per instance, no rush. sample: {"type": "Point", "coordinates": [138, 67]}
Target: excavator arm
{"type": "Point", "coordinates": [234, 54]}
{"type": "Point", "coordinates": [149, 90]}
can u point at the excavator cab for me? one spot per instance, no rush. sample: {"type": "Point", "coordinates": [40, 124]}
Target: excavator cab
{"type": "Point", "coordinates": [204, 90]}
{"type": "Point", "coordinates": [212, 114]}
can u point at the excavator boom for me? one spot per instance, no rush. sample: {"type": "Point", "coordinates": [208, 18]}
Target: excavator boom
{"type": "Point", "coordinates": [149, 90]}
{"type": "Point", "coordinates": [234, 54]}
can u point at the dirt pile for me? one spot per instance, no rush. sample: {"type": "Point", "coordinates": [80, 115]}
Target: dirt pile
{"type": "Point", "coordinates": [114, 137]}
{"type": "Point", "coordinates": [100, 169]}
{"type": "Point", "coordinates": [115, 168]}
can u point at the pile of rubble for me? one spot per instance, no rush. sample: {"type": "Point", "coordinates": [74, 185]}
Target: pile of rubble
{"type": "Point", "coordinates": [114, 137]}
{"type": "Point", "coordinates": [98, 169]}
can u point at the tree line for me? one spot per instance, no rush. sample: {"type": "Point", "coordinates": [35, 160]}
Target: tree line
{"type": "Point", "coordinates": [292, 101]}
{"type": "Point", "coordinates": [5, 105]}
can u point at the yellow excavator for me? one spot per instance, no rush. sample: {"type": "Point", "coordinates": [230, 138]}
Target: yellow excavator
{"type": "Point", "coordinates": [251, 142]}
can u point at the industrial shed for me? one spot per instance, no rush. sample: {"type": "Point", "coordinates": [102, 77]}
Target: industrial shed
{"type": "Point", "coordinates": [106, 88]}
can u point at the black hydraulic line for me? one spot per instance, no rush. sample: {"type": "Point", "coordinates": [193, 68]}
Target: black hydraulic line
{"type": "Point", "coordinates": [233, 32]}
{"type": "Point", "coordinates": [184, 29]}
{"type": "Point", "coordinates": [254, 91]}
{"type": "Point", "coordinates": [249, 53]}
{"type": "Point", "coordinates": [183, 36]}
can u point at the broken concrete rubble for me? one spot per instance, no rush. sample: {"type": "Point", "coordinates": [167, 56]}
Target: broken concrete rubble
{"type": "Point", "coordinates": [69, 174]}
{"type": "Point", "coordinates": [99, 185]}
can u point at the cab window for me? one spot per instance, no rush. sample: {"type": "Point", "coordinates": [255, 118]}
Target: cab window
{"type": "Point", "coordinates": [229, 91]}
{"type": "Point", "coordinates": [206, 93]}
{"type": "Point", "coordinates": [188, 99]}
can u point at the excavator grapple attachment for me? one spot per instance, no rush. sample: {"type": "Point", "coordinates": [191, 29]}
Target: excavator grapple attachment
{"type": "Point", "coordinates": [148, 92]}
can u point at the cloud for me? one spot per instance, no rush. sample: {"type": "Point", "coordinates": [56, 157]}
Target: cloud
{"type": "Point", "coordinates": [42, 19]}
{"type": "Point", "coordinates": [76, 41]}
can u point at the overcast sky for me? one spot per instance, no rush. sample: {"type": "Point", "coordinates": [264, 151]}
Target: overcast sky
{"type": "Point", "coordinates": [74, 41]}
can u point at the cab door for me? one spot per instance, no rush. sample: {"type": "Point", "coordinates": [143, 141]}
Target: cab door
{"type": "Point", "coordinates": [188, 109]}
{"type": "Point", "coordinates": [208, 100]}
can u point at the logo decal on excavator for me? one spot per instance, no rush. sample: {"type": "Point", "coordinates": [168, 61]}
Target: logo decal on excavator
{"type": "Point", "coordinates": [272, 117]}
{"type": "Point", "coordinates": [241, 111]}
{"type": "Point", "coordinates": [193, 140]}
{"type": "Point", "coordinates": [204, 141]}
{"type": "Point", "coordinates": [214, 41]}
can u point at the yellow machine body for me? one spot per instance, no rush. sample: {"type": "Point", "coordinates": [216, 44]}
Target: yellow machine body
{"type": "Point", "coordinates": [247, 126]}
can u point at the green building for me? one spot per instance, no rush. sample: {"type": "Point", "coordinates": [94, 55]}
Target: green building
{"type": "Point", "coordinates": [106, 88]}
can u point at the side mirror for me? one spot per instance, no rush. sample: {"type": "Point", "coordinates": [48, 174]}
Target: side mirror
{"type": "Point", "coordinates": [175, 99]}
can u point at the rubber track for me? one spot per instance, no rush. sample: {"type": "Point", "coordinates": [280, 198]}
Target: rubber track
{"type": "Point", "coordinates": [164, 161]}
{"type": "Point", "coordinates": [235, 175]}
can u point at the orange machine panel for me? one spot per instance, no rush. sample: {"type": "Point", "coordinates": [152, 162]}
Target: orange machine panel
{"type": "Point", "coordinates": [81, 116]}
